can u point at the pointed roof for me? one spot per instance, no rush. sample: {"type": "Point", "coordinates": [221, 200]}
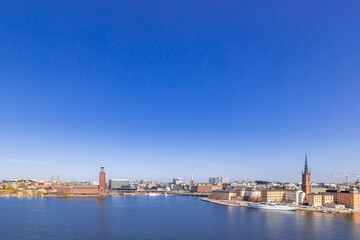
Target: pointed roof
{"type": "Point", "coordinates": [306, 169]}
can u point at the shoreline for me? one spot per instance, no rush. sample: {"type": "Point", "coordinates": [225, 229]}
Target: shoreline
{"type": "Point", "coordinates": [57, 196]}
{"type": "Point", "coordinates": [301, 208]}
{"type": "Point", "coordinates": [213, 201]}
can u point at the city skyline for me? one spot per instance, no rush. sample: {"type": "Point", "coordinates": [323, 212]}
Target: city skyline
{"type": "Point", "coordinates": [339, 176]}
{"type": "Point", "coordinates": [240, 90]}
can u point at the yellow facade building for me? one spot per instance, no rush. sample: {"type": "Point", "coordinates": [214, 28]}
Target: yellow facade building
{"type": "Point", "coordinates": [327, 199]}
{"type": "Point", "coordinates": [271, 195]}
{"type": "Point", "coordinates": [314, 199]}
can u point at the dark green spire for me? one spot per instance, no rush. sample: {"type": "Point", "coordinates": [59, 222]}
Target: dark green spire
{"type": "Point", "coordinates": [306, 169]}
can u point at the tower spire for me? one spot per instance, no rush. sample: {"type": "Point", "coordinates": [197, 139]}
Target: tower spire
{"type": "Point", "coordinates": [306, 169]}
{"type": "Point", "coordinates": [306, 178]}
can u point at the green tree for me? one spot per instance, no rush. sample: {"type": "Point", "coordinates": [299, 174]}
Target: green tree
{"type": "Point", "coordinates": [39, 193]}
{"type": "Point", "coordinates": [66, 193]}
{"type": "Point", "coordinates": [22, 185]}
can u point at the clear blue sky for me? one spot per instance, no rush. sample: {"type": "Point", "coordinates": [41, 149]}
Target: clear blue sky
{"type": "Point", "coordinates": [163, 89]}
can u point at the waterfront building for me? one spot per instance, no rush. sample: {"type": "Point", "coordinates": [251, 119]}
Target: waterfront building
{"type": "Point", "coordinates": [205, 188]}
{"type": "Point", "coordinates": [327, 199]}
{"type": "Point", "coordinates": [218, 180]}
{"type": "Point", "coordinates": [321, 199]}
{"type": "Point", "coordinates": [350, 198]}
{"type": "Point", "coordinates": [179, 187]}
{"type": "Point", "coordinates": [252, 195]}
{"type": "Point", "coordinates": [240, 192]}
{"type": "Point", "coordinates": [223, 194]}
{"type": "Point", "coordinates": [335, 193]}
{"type": "Point", "coordinates": [314, 200]}
{"type": "Point", "coordinates": [123, 185]}
{"type": "Point", "coordinates": [118, 184]}
{"type": "Point", "coordinates": [306, 179]}
{"type": "Point", "coordinates": [85, 189]}
{"type": "Point", "coordinates": [272, 195]}
{"type": "Point", "coordinates": [294, 196]}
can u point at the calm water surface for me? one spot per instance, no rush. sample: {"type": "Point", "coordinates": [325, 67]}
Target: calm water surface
{"type": "Point", "coordinates": [163, 218]}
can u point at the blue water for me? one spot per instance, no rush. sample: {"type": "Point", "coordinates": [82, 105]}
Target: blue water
{"type": "Point", "coordinates": [163, 218]}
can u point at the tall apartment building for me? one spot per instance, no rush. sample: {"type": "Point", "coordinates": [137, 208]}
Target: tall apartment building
{"type": "Point", "coordinates": [177, 181]}
{"type": "Point", "coordinates": [218, 180]}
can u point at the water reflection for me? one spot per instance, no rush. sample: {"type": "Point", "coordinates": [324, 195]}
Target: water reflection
{"type": "Point", "coordinates": [163, 219]}
{"type": "Point", "coordinates": [102, 219]}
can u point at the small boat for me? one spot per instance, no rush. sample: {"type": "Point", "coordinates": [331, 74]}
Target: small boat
{"type": "Point", "coordinates": [152, 194]}
{"type": "Point", "coordinates": [274, 206]}
{"type": "Point", "coordinates": [325, 210]}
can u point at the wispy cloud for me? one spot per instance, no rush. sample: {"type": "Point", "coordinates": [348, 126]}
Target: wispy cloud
{"type": "Point", "coordinates": [345, 174]}
{"type": "Point", "coordinates": [23, 161]}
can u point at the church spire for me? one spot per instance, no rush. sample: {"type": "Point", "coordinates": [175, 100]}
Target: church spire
{"type": "Point", "coordinates": [306, 170]}
{"type": "Point", "coordinates": [192, 179]}
{"type": "Point", "coordinates": [306, 186]}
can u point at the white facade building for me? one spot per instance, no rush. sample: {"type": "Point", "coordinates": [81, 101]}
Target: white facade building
{"type": "Point", "coordinates": [294, 196]}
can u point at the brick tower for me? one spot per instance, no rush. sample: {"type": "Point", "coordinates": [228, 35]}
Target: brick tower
{"type": "Point", "coordinates": [102, 181]}
{"type": "Point", "coordinates": [192, 179]}
{"type": "Point", "coordinates": [306, 179]}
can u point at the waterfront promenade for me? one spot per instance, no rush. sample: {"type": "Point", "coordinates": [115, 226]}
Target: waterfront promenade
{"type": "Point", "coordinates": [301, 208]}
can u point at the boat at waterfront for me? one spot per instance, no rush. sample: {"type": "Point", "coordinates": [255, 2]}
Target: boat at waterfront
{"type": "Point", "coordinates": [152, 194]}
{"type": "Point", "coordinates": [274, 206]}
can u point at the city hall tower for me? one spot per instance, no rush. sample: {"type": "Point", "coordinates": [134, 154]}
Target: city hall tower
{"type": "Point", "coordinates": [102, 181]}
